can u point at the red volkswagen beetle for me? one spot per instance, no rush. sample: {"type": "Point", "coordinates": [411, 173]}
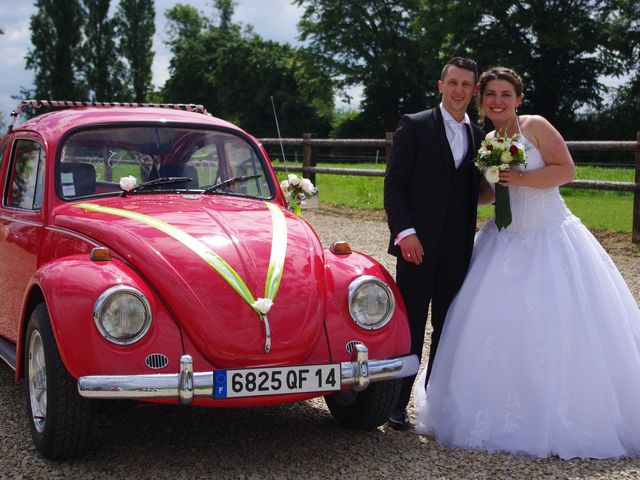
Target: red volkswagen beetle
{"type": "Point", "coordinates": [147, 253]}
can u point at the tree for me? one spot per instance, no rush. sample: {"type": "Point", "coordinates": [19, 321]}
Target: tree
{"type": "Point", "coordinates": [370, 43]}
{"type": "Point", "coordinates": [234, 73]}
{"type": "Point", "coordinates": [136, 26]}
{"type": "Point", "coordinates": [558, 46]}
{"type": "Point", "coordinates": [226, 8]}
{"type": "Point", "coordinates": [193, 45]}
{"type": "Point", "coordinates": [621, 118]}
{"type": "Point", "coordinates": [103, 68]}
{"type": "Point", "coordinates": [56, 56]}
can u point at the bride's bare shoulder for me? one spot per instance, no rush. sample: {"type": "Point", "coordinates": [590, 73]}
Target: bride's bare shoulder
{"type": "Point", "coordinates": [534, 122]}
{"type": "Point", "coordinates": [535, 127]}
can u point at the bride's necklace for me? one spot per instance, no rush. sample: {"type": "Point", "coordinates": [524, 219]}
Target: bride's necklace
{"type": "Point", "coordinates": [505, 131]}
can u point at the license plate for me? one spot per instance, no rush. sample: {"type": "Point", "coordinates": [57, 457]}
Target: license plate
{"type": "Point", "coordinates": [252, 382]}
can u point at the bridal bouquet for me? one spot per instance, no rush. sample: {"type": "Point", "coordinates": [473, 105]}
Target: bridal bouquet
{"type": "Point", "coordinates": [296, 190]}
{"type": "Point", "coordinates": [500, 153]}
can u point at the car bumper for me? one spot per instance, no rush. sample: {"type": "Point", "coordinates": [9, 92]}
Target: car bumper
{"type": "Point", "coordinates": [187, 384]}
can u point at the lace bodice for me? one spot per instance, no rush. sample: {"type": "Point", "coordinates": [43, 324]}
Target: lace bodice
{"type": "Point", "coordinates": [535, 207]}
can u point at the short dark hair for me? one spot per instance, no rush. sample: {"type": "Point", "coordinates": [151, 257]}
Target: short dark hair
{"type": "Point", "coordinates": [461, 62]}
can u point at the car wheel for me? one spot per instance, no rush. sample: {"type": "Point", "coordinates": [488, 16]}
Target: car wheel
{"type": "Point", "coordinates": [59, 418]}
{"type": "Point", "coordinates": [367, 409]}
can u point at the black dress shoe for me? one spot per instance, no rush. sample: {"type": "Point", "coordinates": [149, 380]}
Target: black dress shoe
{"type": "Point", "coordinates": [399, 420]}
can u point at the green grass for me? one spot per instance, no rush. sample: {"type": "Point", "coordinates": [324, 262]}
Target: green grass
{"type": "Point", "coordinates": [597, 209]}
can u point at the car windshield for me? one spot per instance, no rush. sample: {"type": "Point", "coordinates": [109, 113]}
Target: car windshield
{"type": "Point", "coordinates": [161, 159]}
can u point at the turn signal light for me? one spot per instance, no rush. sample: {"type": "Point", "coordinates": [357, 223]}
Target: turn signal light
{"type": "Point", "coordinates": [340, 248]}
{"type": "Point", "coordinates": [100, 254]}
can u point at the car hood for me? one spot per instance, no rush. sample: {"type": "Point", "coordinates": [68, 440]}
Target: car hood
{"type": "Point", "coordinates": [222, 325]}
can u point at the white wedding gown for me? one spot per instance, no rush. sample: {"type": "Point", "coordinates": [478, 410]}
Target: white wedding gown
{"type": "Point", "coordinates": [540, 353]}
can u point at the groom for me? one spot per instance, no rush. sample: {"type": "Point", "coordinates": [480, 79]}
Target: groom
{"type": "Point", "coordinates": [431, 191]}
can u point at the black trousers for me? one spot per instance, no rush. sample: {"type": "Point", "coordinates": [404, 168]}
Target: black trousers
{"type": "Point", "coordinates": [435, 282]}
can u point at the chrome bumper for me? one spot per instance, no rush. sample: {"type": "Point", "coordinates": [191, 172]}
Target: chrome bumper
{"type": "Point", "coordinates": [358, 373]}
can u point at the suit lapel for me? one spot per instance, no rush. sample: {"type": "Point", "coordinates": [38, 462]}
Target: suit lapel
{"type": "Point", "coordinates": [472, 145]}
{"type": "Point", "coordinates": [445, 150]}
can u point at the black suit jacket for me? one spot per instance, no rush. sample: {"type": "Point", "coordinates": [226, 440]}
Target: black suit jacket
{"type": "Point", "coordinates": [418, 184]}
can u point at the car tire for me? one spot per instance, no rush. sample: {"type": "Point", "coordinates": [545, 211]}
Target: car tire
{"type": "Point", "coordinates": [367, 409]}
{"type": "Point", "coordinates": [59, 418]}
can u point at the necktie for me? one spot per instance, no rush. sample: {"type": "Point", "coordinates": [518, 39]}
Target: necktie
{"type": "Point", "coordinates": [457, 143]}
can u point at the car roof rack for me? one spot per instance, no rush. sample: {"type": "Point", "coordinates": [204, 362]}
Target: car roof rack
{"type": "Point", "coordinates": [62, 104]}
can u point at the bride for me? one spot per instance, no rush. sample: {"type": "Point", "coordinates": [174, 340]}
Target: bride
{"type": "Point", "coordinates": [540, 353]}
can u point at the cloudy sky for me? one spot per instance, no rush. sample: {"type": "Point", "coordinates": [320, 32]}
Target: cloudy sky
{"type": "Point", "coordinates": [272, 19]}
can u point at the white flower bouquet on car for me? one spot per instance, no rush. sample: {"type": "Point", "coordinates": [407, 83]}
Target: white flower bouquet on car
{"type": "Point", "coordinates": [296, 190]}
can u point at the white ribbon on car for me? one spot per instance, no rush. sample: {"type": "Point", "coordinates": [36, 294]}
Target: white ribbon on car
{"type": "Point", "coordinates": [276, 261]}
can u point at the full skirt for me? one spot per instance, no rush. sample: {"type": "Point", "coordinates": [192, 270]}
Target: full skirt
{"type": "Point", "coordinates": [540, 353]}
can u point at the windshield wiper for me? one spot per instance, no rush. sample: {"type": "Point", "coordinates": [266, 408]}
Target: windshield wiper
{"type": "Point", "coordinates": [156, 182]}
{"type": "Point", "coordinates": [229, 181]}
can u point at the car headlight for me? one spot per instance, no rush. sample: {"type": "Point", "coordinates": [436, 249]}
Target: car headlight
{"type": "Point", "coordinates": [122, 315]}
{"type": "Point", "coordinates": [371, 303]}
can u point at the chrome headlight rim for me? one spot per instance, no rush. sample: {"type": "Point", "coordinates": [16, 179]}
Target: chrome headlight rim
{"type": "Point", "coordinates": [362, 280]}
{"type": "Point", "coordinates": [107, 295]}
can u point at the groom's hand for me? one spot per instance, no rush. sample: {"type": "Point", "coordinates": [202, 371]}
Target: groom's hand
{"type": "Point", "coordinates": [411, 249]}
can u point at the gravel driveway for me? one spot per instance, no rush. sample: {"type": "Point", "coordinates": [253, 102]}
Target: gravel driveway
{"type": "Point", "coordinates": [298, 441]}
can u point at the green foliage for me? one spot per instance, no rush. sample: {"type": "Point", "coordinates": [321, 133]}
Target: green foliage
{"type": "Point", "coordinates": [395, 51]}
{"type": "Point", "coordinates": [558, 47]}
{"type": "Point", "coordinates": [370, 43]}
{"type": "Point", "coordinates": [347, 124]}
{"type": "Point", "coordinates": [56, 57]}
{"type": "Point", "coordinates": [103, 68]}
{"type": "Point", "coordinates": [210, 63]}
{"type": "Point", "coordinates": [136, 25]}
{"type": "Point", "coordinates": [225, 7]}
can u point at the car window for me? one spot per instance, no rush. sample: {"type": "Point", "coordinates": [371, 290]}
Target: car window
{"type": "Point", "coordinates": [27, 176]}
{"type": "Point", "coordinates": [93, 161]}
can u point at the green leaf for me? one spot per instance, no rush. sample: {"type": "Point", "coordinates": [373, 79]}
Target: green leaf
{"type": "Point", "coordinates": [502, 207]}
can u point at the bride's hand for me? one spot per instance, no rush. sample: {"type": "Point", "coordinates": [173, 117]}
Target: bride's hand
{"type": "Point", "coordinates": [511, 177]}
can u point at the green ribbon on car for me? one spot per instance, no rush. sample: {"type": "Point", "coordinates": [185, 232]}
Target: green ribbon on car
{"type": "Point", "coordinates": [276, 261]}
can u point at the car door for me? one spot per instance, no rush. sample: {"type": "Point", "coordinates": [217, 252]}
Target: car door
{"type": "Point", "coordinates": [21, 225]}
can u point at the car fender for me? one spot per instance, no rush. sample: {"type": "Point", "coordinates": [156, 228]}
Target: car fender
{"type": "Point", "coordinates": [392, 339]}
{"type": "Point", "coordinates": [70, 286]}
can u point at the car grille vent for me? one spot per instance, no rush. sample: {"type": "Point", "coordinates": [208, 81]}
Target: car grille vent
{"type": "Point", "coordinates": [352, 344]}
{"type": "Point", "coordinates": [156, 361]}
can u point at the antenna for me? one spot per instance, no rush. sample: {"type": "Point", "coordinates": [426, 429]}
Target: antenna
{"type": "Point", "coordinates": [279, 136]}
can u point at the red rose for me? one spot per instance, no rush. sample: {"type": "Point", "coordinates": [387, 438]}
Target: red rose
{"type": "Point", "coordinates": [489, 147]}
{"type": "Point", "coordinates": [513, 149]}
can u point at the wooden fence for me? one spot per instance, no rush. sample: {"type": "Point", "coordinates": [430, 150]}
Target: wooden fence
{"type": "Point", "coordinates": [310, 145]}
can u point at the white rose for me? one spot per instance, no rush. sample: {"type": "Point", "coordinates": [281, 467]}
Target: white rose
{"type": "Point", "coordinates": [294, 180]}
{"type": "Point", "coordinates": [263, 305]}
{"type": "Point", "coordinates": [307, 186]}
{"type": "Point", "coordinates": [284, 184]}
{"type": "Point", "coordinates": [492, 174]}
{"type": "Point", "coordinates": [127, 183]}
{"type": "Point", "coordinates": [506, 157]}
